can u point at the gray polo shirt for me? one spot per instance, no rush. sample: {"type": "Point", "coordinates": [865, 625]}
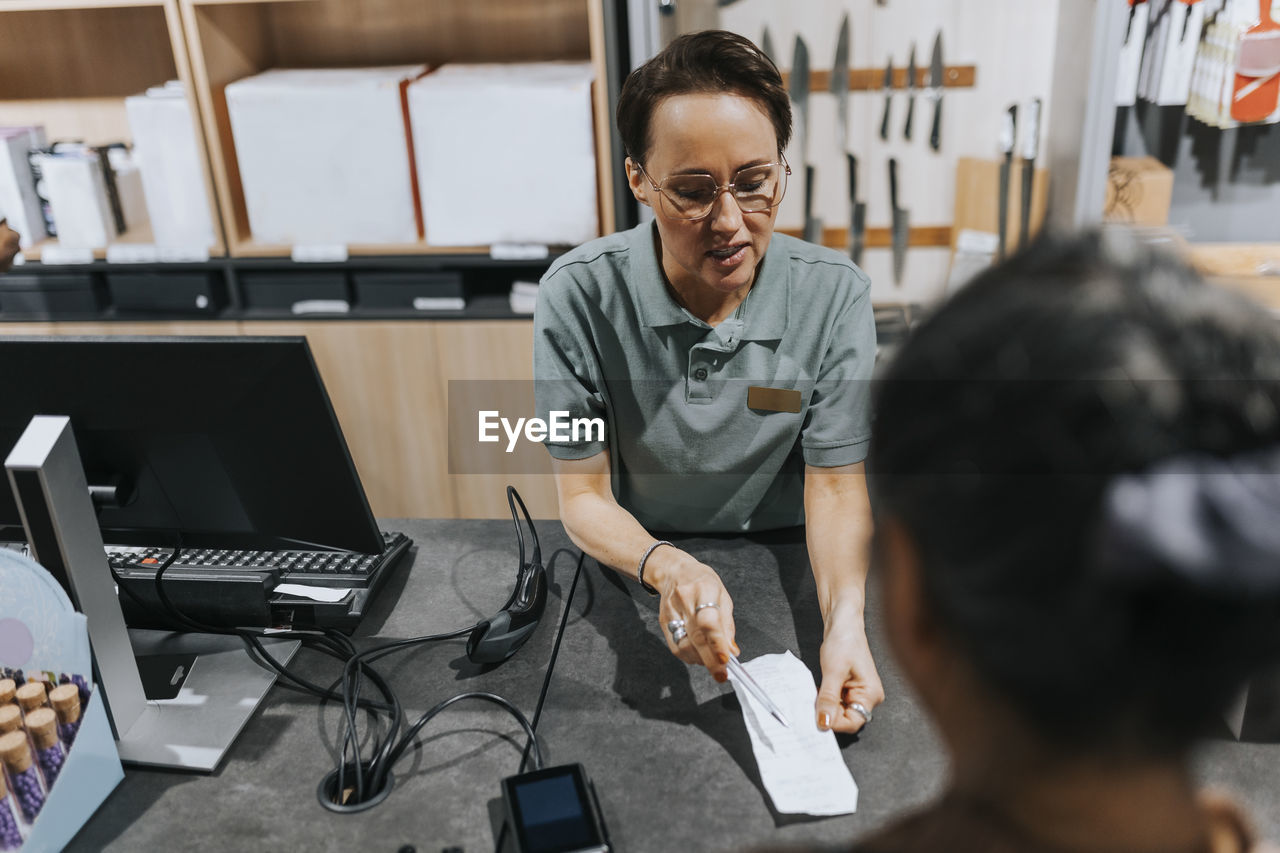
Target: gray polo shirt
{"type": "Point", "coordinates": [687, 452]}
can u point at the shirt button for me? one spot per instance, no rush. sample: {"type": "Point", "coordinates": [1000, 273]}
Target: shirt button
{"type": "Point", "coordinates": [700, 374]}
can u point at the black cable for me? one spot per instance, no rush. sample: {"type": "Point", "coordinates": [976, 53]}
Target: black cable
{"type": "Point", "coordinates": [388, 748]}
{"type": "Point", "coordinates": [555, 652]}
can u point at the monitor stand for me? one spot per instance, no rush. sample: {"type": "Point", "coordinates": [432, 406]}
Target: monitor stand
{"type": "Point", "coordinates": [219, 686]}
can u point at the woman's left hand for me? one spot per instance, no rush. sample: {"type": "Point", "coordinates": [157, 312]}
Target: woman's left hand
{"type": "Point", "coordinates": [849, 677]}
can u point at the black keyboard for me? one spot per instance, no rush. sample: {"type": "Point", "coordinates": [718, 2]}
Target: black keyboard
{"type": "Point", "coordinates": [314, 568]}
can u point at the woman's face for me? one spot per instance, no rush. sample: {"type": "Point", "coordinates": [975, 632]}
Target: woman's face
{"type": "Point", "coordinates": [715, 134]}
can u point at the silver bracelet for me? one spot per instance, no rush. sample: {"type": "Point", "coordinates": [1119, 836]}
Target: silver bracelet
{"type": "Point", "coordinates": [640, 568]}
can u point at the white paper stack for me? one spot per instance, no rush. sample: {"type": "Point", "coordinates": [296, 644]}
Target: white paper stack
{"type": "Point", "coordinates": [76, 188]}
{"type": "Point", "coordinates": [168, 157]}
{"type": "Point", "coordinates": [18, 201]}
{"type": "Point", "coordinates": [323, 155]}
{"type": "Point", "coordinates": [523, 297]}
{"type": "Point", "coordinates": [506, 153]}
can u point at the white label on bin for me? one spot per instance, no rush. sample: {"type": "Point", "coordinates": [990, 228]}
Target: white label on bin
{"type": "Point", "coordinates": [132, 253]}
{"type": "Point", "coordinates": [519, 252]}
{"type": "Point", "coordinates": [59, 255]}
{"type": "Point", "coordinates": [439, 303]}
{"type": "Point", "coordinates": [182, 254]}
{"type": "Point", "coordinates": [319, 254]}
{"type": "Point", "coordinates": [321, 306]}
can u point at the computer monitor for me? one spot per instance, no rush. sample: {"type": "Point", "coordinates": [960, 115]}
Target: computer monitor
{"type": "Point", "coordinates": [195, 442]}
{"type": "Point", "coordinates": [199, 442]}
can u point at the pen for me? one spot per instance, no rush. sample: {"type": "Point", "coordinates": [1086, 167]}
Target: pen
{"type": "Point", "coordinates": [740, 672]}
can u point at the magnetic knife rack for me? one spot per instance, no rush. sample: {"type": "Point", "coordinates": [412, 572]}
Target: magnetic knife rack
{"type": "Point", "coordinates": [872, 80]}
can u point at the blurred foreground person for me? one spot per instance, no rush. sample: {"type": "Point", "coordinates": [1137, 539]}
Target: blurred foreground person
{"type": "Point", "coordinates": [1075, 472]}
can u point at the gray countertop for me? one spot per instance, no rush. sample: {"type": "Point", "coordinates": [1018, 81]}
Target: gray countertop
{"type": "Point", "coordinates": [665, 745]}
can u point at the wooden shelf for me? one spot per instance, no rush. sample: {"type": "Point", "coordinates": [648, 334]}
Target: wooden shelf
{"type": "Point", "coordinates": [232, 40]}
{"type": "Point", "coordinates": [70, 64]}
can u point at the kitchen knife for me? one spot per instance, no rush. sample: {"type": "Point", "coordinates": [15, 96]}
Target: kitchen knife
{"type": "Point", "coordinates": [901, 228]}
{"type": "Point", "coordinates": [1030, 148]}
{"type": "Point", "coordinates": [888, 99]}
{"type": "Point", "coordinates": [812, 225]}
{"type": "Point", "coordinates": [911, 93]}
{"type": "Point", "coordinates": [857, 214]}
{"type": "Point", "coordinates": [840, 84]}
{"type": "Point", "coordinates": [935, 92]}
{"type": "Point", "coordinates": [1008, 133]}
{"type": "Point", "coordinates": [800, 96]}
{"type": "Point", "coordinates": [766, 45]}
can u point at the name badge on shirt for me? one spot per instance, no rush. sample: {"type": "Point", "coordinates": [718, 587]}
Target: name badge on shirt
{"type": "Point", "coordinates": [773, 399]}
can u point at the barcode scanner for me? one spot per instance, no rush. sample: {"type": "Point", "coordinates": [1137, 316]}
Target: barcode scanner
{"type": "Point", "coordinates": [499, 637]}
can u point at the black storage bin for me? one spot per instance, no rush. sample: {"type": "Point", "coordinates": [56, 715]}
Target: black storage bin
{"type": "Point", "coordinates": [200, 293]}
{"type": "Point", "coordinates": [319, 292]}
{"type": "Point", "coordinates": [409, 292]}
{"type": "Point", "coordinates": [50, 296]}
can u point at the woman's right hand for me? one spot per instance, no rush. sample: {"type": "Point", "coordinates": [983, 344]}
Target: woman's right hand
{"type": "Point", "coordinates": [693, 593]}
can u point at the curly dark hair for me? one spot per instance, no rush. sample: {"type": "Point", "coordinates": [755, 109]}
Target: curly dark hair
{"type": "Point", "coordinates": [1006, 428]}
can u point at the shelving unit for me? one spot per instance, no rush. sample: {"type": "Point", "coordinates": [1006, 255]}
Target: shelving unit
{"type": "Point", "coordinates": [232, 40]}
{"type": "Point", "coordinates": [69, 65]}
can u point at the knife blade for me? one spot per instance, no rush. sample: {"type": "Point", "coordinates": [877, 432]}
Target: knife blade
{"type": "Point", "coordinates": [911, 93]}
{"type": "Point", "coordinates": [888, 99]}
{"type": "Point", "coordinates": [1008, 133]}
{"type": "Point", "coordinates": [857, 214]}
{"type": "Point", "coordinates": [1030, 150]}
{"type": "Point", "coordinates": [812, 225]}
{"type": "Point", "coordinates": [901, 225]}
{"type": "Point", "coordinates": [800, 96]}
{"type": "Point", "coordinates": [840, 84]}
{"type": "Point", "coordinates": [766, 45]}
{"type": "Point", "coordinates": [936, 69]}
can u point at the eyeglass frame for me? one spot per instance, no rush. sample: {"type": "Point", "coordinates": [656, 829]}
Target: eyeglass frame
{"type": "Point", "coordinates": [719, 189]}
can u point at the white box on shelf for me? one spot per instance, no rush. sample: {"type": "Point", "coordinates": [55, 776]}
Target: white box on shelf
{"type": "Point", "coordinates": [76, 189]}
{"type": "Point", "coordinates": [18, 201]}
{"type": "Point", "coordinates": [506, 153]}
{"type": "Point", "coordinates": [324, 156]}
{"type": "Point", "coordinates": [166, 153]}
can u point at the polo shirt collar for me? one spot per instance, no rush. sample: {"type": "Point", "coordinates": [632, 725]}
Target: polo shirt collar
{"type": "Point", "coordinates": [768, 304]}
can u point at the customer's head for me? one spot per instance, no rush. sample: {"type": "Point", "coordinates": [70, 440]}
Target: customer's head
{"type": "Point", "coordinates": [1076, 462]}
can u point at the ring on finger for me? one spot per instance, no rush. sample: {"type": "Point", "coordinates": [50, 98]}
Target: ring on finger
{"type": "Point", "coordinates": [675, 625]}
{"type": "Point", "coordinates": [704, 606]}
{"type": "Point", "coordinates": [678, 635]}
{"type": "Point", "coordinates": [861, 709]}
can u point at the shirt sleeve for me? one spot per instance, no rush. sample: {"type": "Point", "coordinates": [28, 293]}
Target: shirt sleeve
{"type": "Point", "coordinates": [567, 380]}
{"type": "Point", "coordinates": [837, 428]}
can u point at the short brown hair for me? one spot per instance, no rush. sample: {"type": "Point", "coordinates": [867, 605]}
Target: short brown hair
{"type": "Point", "coordinates": [706, 61]}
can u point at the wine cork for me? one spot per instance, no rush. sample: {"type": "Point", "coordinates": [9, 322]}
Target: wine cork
{"type": "Point", "coordinates": [42, 723]}
{"type": "Point", "coordinates": [10, 719]}
{"type": "Point", "coordinates": [15, 752]}
{"type": "Point", "coordinates": [31, 695]}
{"type": "Point", "coordinates": [7, 690]}
{"type": "Point", "coordinates": [65, 699]}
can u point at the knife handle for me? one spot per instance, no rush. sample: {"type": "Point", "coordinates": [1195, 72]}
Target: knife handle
{"type": "Point", "coordinates": [935, 134]}
{"type": "Point", "coordinates": [893, 182]}
{"type": "Point", "coordinates": [808, 192]}
{"type": "Point", "coordinates": [853, 177]}
{"type": "Point", "coordinates": [884, 122]}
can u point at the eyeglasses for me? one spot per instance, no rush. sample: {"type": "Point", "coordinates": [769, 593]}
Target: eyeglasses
{"type": "Point", "coordinates": [755, 189]}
